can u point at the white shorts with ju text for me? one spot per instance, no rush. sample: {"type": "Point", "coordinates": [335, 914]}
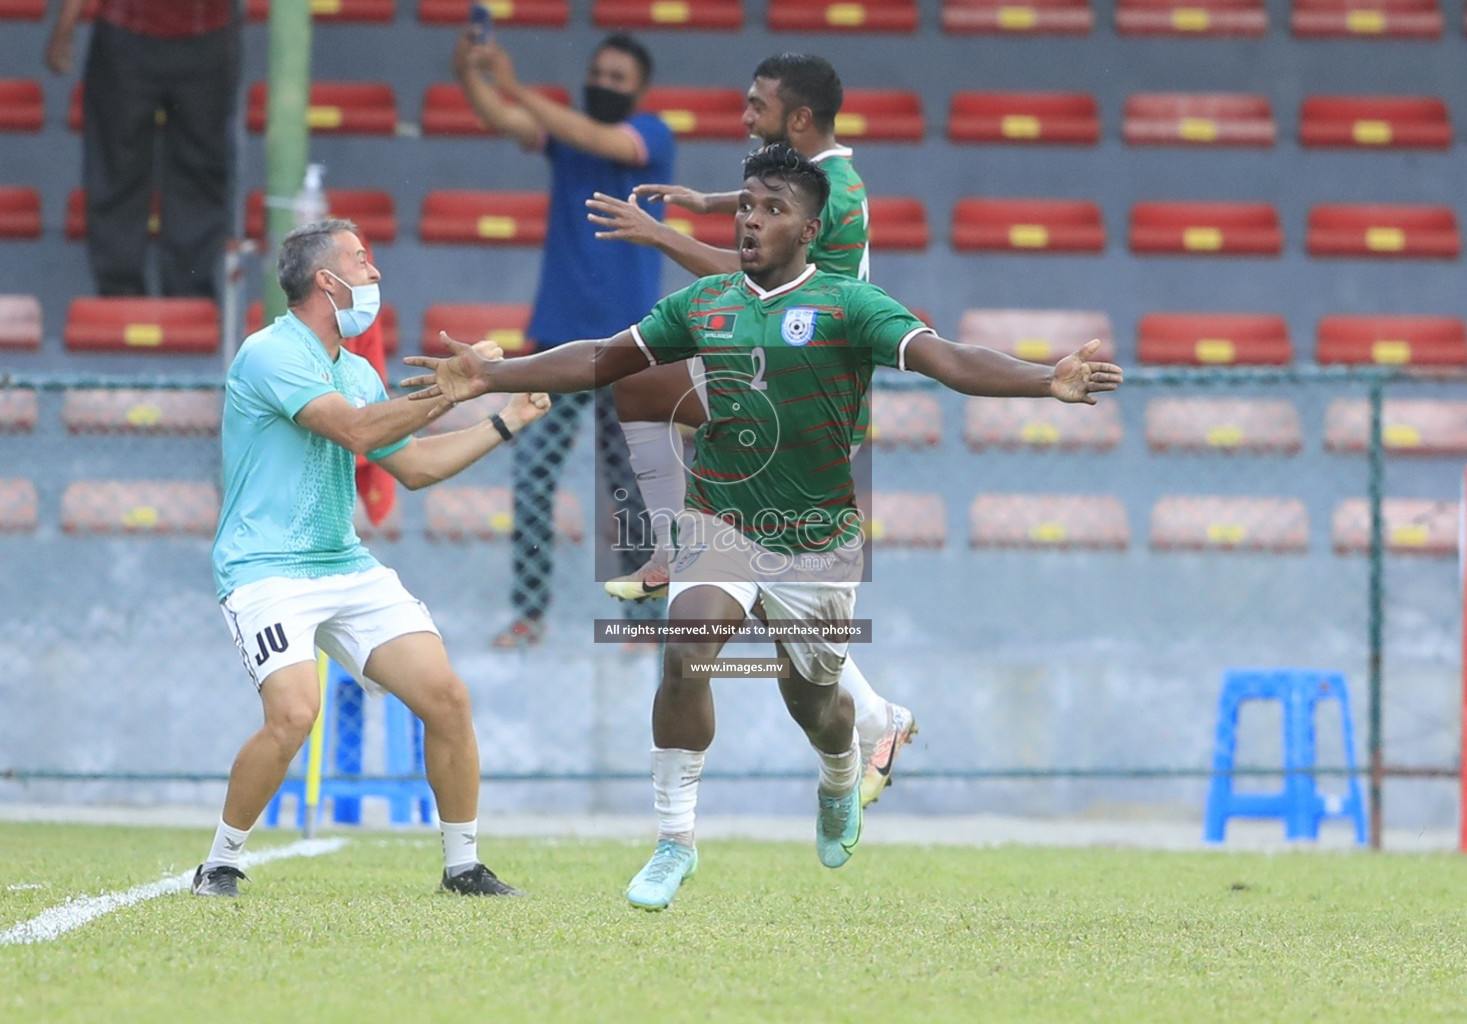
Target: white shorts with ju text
{"type": "Point", "coordinates": [280, 621]}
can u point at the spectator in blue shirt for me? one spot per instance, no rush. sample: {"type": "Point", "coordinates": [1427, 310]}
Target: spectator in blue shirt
{"type": "Point", "coordinates": [588, 288]}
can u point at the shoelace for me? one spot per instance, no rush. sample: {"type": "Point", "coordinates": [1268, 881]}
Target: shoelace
{"type": "Point", "coordinates": [833, 818]}
{"type": "Point", "coordinates": [662, 864]}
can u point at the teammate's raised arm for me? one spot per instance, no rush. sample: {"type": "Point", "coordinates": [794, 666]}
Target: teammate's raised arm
{"type": "Point", "coordinates": [975, 370]}
{"type": "Point", "coordinates": [623, 220]}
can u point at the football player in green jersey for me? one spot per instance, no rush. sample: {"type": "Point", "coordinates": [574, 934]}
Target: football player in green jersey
{"type": "Point", "coordinates": [771, 502]}
{"type": "Point", "coordinates": [794, 99]}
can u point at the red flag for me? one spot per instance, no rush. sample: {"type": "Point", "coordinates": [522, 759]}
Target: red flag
{"type": "Point", "coordinates": [376, 486]}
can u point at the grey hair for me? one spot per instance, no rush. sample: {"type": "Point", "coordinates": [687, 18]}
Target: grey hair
{"type": "Point", "coordinates": [304, 251]}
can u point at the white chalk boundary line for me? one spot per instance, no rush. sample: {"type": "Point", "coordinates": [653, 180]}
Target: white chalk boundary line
{"type": "Point", "coordinates": [56, 922]}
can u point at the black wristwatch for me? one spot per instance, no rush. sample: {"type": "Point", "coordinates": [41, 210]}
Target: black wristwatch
{"type": "Point", "coordinates": [501, 426]}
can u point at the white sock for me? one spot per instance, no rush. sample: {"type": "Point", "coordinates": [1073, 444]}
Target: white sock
{"type": "Point", "coordinates": [839, 772]}
{"type": "Point", "coordinates": [460, 845]}
{"type": "Point", "coordinates": [871, 713]}
{"type": "Point", "coordinates": [675, 776]}
{"type": "Point", "coordinates": [660, 474]}
{"type": "Point", "coordinates": [228, 845]}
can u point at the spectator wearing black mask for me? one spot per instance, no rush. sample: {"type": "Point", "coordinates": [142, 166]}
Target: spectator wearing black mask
{"type": "Point", "coordinates": [588, 288]}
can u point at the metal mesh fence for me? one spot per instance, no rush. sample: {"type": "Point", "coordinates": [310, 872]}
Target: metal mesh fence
{"type": "Point", "coordinates": [1056, 592]}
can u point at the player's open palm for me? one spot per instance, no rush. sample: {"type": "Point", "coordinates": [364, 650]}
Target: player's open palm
{"type": "Point", "coordinates": [677, 195]}
{"type": "Point", "coordinates": [458, 377]}
{"type": "Point", "coordinates": [1077, 379]}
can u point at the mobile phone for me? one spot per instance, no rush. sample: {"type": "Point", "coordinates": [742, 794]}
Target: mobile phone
{"type": "Point", "coordinates": [481, 19]}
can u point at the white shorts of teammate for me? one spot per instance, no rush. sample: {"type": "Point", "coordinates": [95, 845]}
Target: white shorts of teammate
{"type": "Point", "coordinates": [817, 586]}
{"type": "Point", "coordinates": [281, 621]}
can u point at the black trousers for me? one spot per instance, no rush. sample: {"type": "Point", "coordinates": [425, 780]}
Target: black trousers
{"type": "Point", "coordinates": [192, 80]}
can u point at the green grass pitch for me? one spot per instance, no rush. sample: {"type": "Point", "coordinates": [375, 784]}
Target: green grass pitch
{"type": "Point", "coordinates": [762, 934]}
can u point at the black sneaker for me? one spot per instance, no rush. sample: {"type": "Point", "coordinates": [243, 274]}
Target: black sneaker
{"type": "Point", "coordinates": [221, 880]}
{"type": "Point", "coordinates": [478, 881]}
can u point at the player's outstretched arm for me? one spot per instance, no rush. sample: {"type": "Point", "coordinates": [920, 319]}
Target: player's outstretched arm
{"type": "Point", "coordinates": [623, 220]}
{"type": "Point", "coordinates": [574, 366]}
{"type": "Point", "coordinates": [975, 370]}
{"type": "Point", "coordinates": [689, 199]}
{"type": "Point", "coordinates": [425, 461]}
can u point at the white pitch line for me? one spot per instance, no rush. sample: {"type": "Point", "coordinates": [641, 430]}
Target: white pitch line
{"type": "Point", "coordinates": [56, 922]}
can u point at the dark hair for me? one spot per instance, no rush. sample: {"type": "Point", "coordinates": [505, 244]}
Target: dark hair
{"type": "Point", "coordinates": [805, 80]}
{"type": "Point", "coordinates": [305, 251]}
{"type": "Point", "coordinates": [783, 161]}
{"type": "Point", "coordinates": [623, 43]}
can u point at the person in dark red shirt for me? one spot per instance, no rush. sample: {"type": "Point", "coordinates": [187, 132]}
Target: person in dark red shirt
{"type": "Point", "coordinates": [180, 58]}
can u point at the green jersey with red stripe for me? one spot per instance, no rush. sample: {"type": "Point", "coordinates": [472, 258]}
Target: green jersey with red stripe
{"type": "Point", "coordinates": [787, 373]}
{"type": "Point", "coordinates": [844, 243]}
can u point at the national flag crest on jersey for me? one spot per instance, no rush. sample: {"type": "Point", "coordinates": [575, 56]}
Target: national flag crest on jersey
{"type": "Point", "coordinates": [798, 326]}
{"type": "Point", "coordinates": [719, 325]}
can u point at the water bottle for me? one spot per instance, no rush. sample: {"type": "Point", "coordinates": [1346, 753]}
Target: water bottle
{"type": "Point", "coordinates": [309, 205]}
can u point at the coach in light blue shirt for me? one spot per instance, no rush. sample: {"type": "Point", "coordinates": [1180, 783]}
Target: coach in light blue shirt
{"type": "Point", "coordinates": [588, 288]}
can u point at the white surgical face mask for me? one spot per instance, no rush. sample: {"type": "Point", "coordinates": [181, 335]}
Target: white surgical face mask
{"type": "Point", "coordinates": [366, 300]}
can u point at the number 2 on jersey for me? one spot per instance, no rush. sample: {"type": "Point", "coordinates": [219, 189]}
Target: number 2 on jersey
{"type": "Point", "coordinates": [760, 358]}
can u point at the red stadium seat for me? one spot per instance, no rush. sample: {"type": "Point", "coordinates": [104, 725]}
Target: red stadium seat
{"type": "Point", "coordinates": [907, 519]}
{"type": "Point", "coordinates": [1364, 19]}
{"type": "Point", "coordinates": [510, 13]}
{"type": "Point", "coordinates": [904, 419]}
{"type": "Point", "coordinates": [716, 229]}
{"type": "Point", "coordinates": [346, 108]}
{"type": "Point", "coordinates": [18, 407]}
{"type": "Point", "coordinates": [484, 218]}
{"type": "Point", "coordinates": [255, 319]}
{"type": "Point", "coordinates": [880, 115]}
{"type": "Point", "coordinates": [1028, 225]}
{"type": "Point", "coordinates": [379, 11]}
{"type": "Point", "coordinates": [22, 10]}
{"type": "Point", "coordinates": [843, 15]}
{"type": "Point", "coordinates": [140, 506]}
{"type": "Point", "coordinates": [446, 110]}
{"type": "Point", "coordinates": [715, 15]}
{"type": "Point", "coordinates": [1191, 17]}
{"type": "Point", "coordinates": [1236, 229]}
{"type": "Point", "coordinates": [1425, 232]}
{"type": "Point", "coordinates": [1094, 522]}
{"type": "Point", "coordinates": [487, 513]}
{"type": "Point", "coordinates": [1022, 423]}
{"type": "Point", "coordinates": [1255, 426]}
{"type": "Point", "coordinates": [1411, 526]}
{"type": "Point", "coordinates": [1208, 523]}
{"type": "Point", "coordinates": [20, 212]}
{"type": "Point", "coordinates": [503, 324]}
{"type": "Point", "coordinates": [1392, 340]}
{"type": "Point", "coordinates": [1018, 17]}
{"type": "Point", "coordinates": [1214, 339]}
{"type": "Point", "coordinates": [1409, 426]}
{"type": "Point", "coordinates": [372, 210]}
{"type": "Point", "coordinates": [1375, 122]}
{"type": "Point", "coordinates": [142, 325]}
{"type": "Point", "coordinates": [898, 222]}
{"type": "Point", "coordinates": [698, 113]}
{"type": "Point", "coordinates": [141, 411]}
{"type": "Point", "coordinates": [18, 506]}
{"type": "Point", "coordinates": [1198, 119]}
{"type": "Point", "coordinates": [20, 322]}
{"type": "Point", "coordinates": [21, 105]}
{"type": "Point", "coordinates": [1038, 335]}
{"type": "Point", "coordinates": [1024, 117]}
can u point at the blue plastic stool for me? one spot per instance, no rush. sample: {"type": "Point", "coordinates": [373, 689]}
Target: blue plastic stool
{"type": "Point", "coordinates": [344, 710]}
{"type": "Point", "coordinates": [1299, 804]}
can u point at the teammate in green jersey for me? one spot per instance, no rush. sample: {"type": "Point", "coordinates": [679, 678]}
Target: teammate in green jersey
{"type": "Point", "coordinates": [794, 98]}
{"type": "Point", "coordinates": [793, 350]}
